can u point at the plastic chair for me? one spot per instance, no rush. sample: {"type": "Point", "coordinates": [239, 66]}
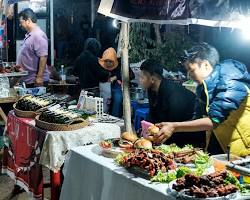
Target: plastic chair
{"type": "Point", "coordinates": [135, 105]}
{"type": "Point", "coordinates": [140, 114]}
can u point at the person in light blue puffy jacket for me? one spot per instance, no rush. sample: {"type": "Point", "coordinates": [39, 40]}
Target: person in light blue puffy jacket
{"type": "Point", "coordinates": [223, 101]}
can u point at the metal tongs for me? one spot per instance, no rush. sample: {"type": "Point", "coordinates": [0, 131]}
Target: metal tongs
{"type": "Point", "coordinates": [236, 164]}
{"type": "Point", "coordinates": [241, 166]}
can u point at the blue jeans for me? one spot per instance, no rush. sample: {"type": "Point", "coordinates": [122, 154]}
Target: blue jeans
{"type": "Point", "coordinates": [116, 109]}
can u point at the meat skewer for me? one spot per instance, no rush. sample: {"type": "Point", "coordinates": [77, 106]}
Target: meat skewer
{"type": "Point", "coordinates": [211, 185]}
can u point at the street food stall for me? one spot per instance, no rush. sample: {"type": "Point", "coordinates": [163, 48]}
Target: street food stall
{"type": "Point", "coordinates": [140, 170]}
{"type": "Point", "coordinates": [42, 131]}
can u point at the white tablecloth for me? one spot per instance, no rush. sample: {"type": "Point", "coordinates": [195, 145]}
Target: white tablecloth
{"type": "Point", "coordinates": [57, 143]}
{"type": "Point", "coordinates": [91, 176]}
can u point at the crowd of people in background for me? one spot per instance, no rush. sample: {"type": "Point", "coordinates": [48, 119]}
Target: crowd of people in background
{"type": "Point", "coordinates": [69, 39]}
{"type": "Point", "coordinates": [101, 76]}
{"type": "Point", "coordinates": [96, 65]}
{"type": "Point", "coordinates": [86, 57]}
{"type": "Point", "coordinates": [221, 103]}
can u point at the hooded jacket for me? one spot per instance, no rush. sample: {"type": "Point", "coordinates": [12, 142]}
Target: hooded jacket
{"type": "Point", "coordinates": [225, 95]}
{"type": "Point", "coordinates": [225, 89]}
{"type": "Point", "coordinates": [87, 68]}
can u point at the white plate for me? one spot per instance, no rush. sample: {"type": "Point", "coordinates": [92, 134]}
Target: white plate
{"type": "Point", "coordinates": [14, 74]}
{"type": "Point", "coordinates": [182, 195]}
{"type": "Point", "coordinates": [111, 152]}
{"type": "Point", "coordinates": [190, 165]}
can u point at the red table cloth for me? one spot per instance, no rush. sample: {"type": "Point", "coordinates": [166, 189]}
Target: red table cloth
{"type": "Point", "coordinates": [21, 155]}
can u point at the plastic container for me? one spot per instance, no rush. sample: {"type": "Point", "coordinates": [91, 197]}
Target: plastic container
{"type": "Point", "coordinates": [246, 179]}
{"type": "Point", "coordinates": [62, 75]}
{"type": "Point", "coordinates": [220, 161]}
{"type": "Point", "coordinates": [20, 90]}
{"type": "Point", "coordinates": [36, 91]}
{"type": "Point", "coordinates": [4, 87]}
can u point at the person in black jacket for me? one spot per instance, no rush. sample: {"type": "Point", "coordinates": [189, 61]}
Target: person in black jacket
{"type": "Point", "coordinates": [87, 68]}
{"type": "Point", "coordinates": [168, 101]}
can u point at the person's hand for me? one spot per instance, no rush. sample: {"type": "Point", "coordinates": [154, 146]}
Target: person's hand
{"type": "Point", "coordinates": [166, 131]}
{"type": "Point", "coordinates": [112, 79]}
{"type": "Point", "coordinates": [119, 82]}
{"type": "Point", "coordinates": [39, 81]}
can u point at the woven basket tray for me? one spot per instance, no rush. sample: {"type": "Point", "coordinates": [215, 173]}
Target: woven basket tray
{"type": "Point", "coordinates": [24, 114]}
{"type": "Point", "coordinates": [61, 127]}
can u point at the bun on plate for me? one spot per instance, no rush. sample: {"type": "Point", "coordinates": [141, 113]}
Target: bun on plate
{"type": "Point", "coordinates": [152, 130]}
{"type": "Point", "coordinates": [129, 136]}
{"type": "Point", "coordinates": [143, 144]}
{"type": "Point", "coordinates": [127, 140]}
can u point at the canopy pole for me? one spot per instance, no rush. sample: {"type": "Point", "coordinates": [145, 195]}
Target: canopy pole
{"type": "Point", "coordinates": [125, 76]}
{"type": "Point", "coordinates": [92, 13]}
{"type": "Point", "coordinates": [52, 56]}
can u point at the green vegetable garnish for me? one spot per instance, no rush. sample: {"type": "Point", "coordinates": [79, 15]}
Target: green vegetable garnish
{"type": "Point", "coordinates": [203, 160]}
{"type": "Point", "coordinates": [231, 179]}
{"type": "Point", "coordinates": [170, 176]}
{"type": "Point", "coordinates": [182, 171]}
{"type": "Point", "coordinates": [187, 147]}
{"type": "Point", "coordinates": [164, 177]}
{"type": "Point", "coordinates": [173, 148]}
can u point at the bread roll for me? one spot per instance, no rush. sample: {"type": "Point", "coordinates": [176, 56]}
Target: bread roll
{"type": "Point", "coordinates": [152, 130]}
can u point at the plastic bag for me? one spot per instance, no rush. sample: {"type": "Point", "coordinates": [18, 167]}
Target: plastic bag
{"type": "Point", "coordinates": [105, 93]}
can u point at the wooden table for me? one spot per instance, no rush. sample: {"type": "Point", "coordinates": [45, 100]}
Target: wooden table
{"type": "Point", "coordinates": [13, 98]}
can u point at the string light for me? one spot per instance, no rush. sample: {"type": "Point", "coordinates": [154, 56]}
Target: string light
{"type": "Point", "coordinates": [245, 27]}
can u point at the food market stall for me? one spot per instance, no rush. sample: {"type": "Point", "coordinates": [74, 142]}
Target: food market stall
{"type": "Point", "coordinates": [39, 137]}
{"type": "Point", "coordinates": [114, 181]}
{"type": "Point", "coordinates": [81, 179]}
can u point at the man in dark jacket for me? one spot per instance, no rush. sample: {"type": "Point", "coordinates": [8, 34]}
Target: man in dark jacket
{"type": "Point", "coordinates": [87, 68]}
{"type": "Point", "coordinates": [168, 101]}
{"type": "Point", "coordinates": [223, 92]}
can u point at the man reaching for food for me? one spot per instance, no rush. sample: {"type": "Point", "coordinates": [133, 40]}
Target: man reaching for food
{"type": "Point", "coordinates": [168, 101]}
{"type": "Point", "coordinates": [222, 97]}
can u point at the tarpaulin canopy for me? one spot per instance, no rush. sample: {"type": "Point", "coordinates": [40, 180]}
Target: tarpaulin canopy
{"type": "Point", "coordinates": [215, 13]}
{"type": "Point", "coordinates": [12, 1]}
{"type": "Point", "coordinates": [220, 13]}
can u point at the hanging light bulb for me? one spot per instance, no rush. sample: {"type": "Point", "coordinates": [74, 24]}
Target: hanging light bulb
{"type": "Point", "coordinates": [245, 27]}
{"type": "Point", "coordinates": [246, 32]}
{"type": "Point", "coordinates": [115, 23]}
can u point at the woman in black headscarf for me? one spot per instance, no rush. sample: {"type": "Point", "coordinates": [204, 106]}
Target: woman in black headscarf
{"type": "Point", "coordinates": [87, 68]}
